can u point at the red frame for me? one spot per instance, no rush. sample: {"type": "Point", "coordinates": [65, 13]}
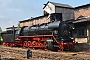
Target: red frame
{"type": "Point", "coordinates": [37, 41]}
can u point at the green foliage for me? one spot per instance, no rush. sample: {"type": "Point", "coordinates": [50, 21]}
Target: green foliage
{"type": "Point", "coordinates": [18, 25]}
{"type": "Point", "coordinates": [0, 38]}
{"type": "Point", "coordinates": [0, 33]}
{"type": "Point", "coordinates": [0, 30]}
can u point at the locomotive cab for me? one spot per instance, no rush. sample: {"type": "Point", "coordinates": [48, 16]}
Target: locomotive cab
{"type": "Point", "coordinates": [17, 33]}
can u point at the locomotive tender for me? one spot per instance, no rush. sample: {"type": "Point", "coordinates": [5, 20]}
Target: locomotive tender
{"type": "Point", "coordinates": [54, 35]}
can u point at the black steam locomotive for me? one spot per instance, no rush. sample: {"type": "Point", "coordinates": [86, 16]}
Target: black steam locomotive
{"type": "Point", "coordinates": [54, 35]}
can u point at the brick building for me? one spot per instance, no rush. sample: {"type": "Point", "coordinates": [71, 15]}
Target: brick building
{"type": "Point", "coordinates": [82, 24]}
{"type": "Point", "coordinates": [83, 10]}
{"type": "Point", "coordinates": [34, 21]}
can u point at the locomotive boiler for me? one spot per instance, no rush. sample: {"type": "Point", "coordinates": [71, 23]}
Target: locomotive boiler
{"type": "Point", "coordinates": [54, 35]}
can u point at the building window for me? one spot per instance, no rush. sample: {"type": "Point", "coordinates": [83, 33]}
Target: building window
{"type": "Point", "coordinates": [81, 32]}
{"type": "Point", "coordinates": [86, 8]}
{"type": "Point", "coordinates": [77, 10]}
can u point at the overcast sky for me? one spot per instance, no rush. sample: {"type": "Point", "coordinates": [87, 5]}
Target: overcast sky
{"type": "Point", "coordinates": [13, 11]}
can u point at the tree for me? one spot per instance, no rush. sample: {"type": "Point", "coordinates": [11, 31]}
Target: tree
{"type": "Point", "coordinates": [18, 25]}
{"type": "Point", "coordinates": [0, 30]}
{"type": "Point", "coordinates": [0, 34]}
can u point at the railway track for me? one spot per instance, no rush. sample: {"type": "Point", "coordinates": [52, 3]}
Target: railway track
{"type": "Point", "coordinates": [19, 54]}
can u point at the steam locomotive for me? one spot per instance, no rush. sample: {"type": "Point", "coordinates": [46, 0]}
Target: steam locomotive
{"type": "Point", "coordinates": [54, 35]}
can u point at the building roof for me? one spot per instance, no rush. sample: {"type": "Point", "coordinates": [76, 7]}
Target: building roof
{"type": "Point", "coordinates": [82, 6]}
{"type": "Point", "coordinates": [10, 27]}
{"type": "Point", "coordinates": [58, 5]}
{"type": "Point", "coordinates": [33, 18]}
{"type": "Point", "coordinates": [82, 20]}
